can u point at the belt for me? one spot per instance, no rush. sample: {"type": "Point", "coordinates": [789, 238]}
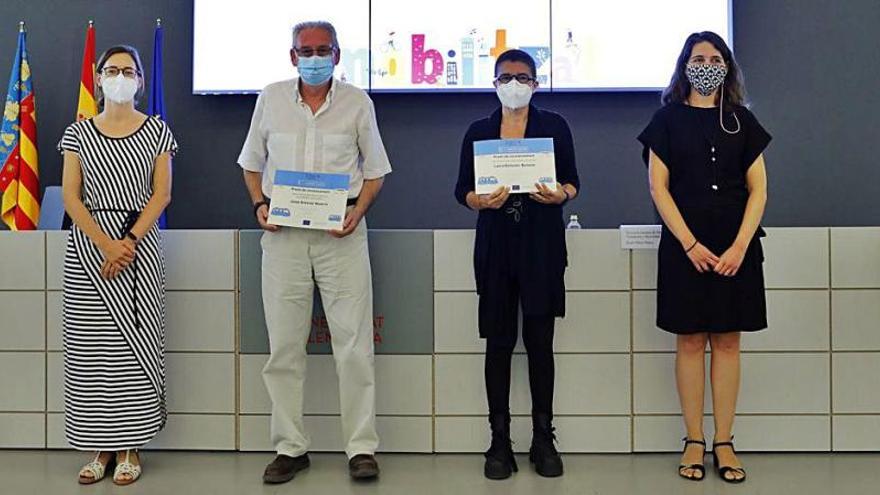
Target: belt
{"type": "Point", "coordinates": [130, 219]}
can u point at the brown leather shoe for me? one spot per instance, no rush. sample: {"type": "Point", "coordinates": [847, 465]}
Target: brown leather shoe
{"type": "Point", "coordinates": [284, 468]}
{"type": "Point", "coordinates": [363, 467]}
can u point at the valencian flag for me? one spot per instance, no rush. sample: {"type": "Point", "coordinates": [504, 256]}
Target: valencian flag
{"type": "Point", "coordinates": [19, 177]}
{"type": "Point", "coordinates": [156, 103]}
{"type": "Point", "coordinates": [87, 106]}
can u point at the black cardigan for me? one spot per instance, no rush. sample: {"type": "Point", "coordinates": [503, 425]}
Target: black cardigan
{"type": "Point", "coordinates": [543, 258]}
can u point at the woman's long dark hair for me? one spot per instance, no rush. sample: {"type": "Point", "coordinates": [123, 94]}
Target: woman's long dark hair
{"type": "Point", "coordinates": [102, 61]}
{"type": "Point", "coordinates": [680, 88]}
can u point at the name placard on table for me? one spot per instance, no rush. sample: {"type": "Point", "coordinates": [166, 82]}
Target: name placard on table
{"type": "Point", "coordinates": [309, 200]}
{"type": "Point", "coordinates": [640, 236]}
{"type": "Point", "coordinates": [515, 163]}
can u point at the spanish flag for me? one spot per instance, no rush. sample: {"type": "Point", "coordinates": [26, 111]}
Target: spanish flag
{"type": "Point", "coordinates": [87, 107]}
{"type": "Point", "coordinates": [19, 177]}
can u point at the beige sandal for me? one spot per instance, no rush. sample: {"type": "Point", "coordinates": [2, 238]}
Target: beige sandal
{"type": "Point", "coordinates": [126, 468]}
{"type": "Point", "coordinates": [95, 468]}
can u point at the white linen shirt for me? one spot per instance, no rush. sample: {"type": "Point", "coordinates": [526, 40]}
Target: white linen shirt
{"type": "Point", "coordinates": [342, 137]}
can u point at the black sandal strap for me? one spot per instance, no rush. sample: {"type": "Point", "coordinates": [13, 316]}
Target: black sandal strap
{"type": "Point", "coordinates": [687, 441]}
{"type": "Point", "coordinates": [723, 444]}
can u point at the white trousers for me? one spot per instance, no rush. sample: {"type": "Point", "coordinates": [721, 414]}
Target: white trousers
{"type": "Point", "coordinates": [293, 261]}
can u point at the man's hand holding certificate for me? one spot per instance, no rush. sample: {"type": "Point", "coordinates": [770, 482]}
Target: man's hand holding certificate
{"type": "Point", "coordinates": [518, 164]}
{"type": "Point", "coordinates": [309, 200]}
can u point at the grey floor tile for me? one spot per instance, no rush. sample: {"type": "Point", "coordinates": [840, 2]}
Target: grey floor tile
{"type": "Point", "coordinates": [239, 473]}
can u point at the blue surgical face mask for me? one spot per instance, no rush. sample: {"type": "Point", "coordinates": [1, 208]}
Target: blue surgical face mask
{"type": "Point", "coordinates": [315, 70]}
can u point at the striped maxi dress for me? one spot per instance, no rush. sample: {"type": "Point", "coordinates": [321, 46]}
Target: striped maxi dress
{"type": "Point", "coordinates": [114, 330]}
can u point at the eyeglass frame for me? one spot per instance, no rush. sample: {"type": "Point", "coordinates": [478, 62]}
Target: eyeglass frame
{"type": "Point", "coordinates": [522, 75]}
{"type": "Point", "coordinates": [331, 49]}
{"type": "Point", "coordinates": [135, 73]}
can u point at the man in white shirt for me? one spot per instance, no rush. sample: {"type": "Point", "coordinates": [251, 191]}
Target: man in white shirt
{"type": "Point", "coordinates": [315, 123]}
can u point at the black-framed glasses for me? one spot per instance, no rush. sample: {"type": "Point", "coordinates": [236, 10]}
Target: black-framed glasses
{"type": "Point", "coordinates": [308, 51]}
{"type": "Point", "coordinates": [522, 77]}
{"type": "Point", "coordinates": [113, 71]}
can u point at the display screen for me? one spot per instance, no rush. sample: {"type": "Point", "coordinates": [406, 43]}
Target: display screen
{"type": "Point", "coordinates": [401, 45]}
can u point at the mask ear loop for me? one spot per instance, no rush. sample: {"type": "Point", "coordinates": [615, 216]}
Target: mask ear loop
{"type": "Point", "coordinates": [721, 116]}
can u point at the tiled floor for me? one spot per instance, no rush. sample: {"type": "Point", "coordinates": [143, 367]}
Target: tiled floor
{"type": "Point", "coordinates": [54, 472]}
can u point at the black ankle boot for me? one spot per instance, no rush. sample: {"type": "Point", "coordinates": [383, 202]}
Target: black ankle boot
{"type": "Point", "coordinates": [543, 453]}
{"type": "Point", "coordinates": [500, 463]}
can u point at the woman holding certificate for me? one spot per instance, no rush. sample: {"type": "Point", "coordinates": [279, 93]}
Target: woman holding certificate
{"type": "Point", "coordinates": [525, 155]}
{"type": "Point", "coordinates": [704, 151]}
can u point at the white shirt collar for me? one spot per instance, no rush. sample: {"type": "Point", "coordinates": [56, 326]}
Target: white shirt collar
{"type": "Point", "coordinates": [299, 98]}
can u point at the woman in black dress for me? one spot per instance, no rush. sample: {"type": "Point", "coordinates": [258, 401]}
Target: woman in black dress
{"type": "Point", "coordinates": [706, 169]}
{"type": "Point", "coordinates": [519, 262]}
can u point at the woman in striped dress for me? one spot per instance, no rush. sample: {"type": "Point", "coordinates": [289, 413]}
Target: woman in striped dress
{"type": "Point", "coordinates": [116, 183]}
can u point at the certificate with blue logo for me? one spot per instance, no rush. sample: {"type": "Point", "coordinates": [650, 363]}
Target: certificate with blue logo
{"type": "Point", "coordinates": [309, 200]}
{"type": "Point", "coordinates": [515, 163]}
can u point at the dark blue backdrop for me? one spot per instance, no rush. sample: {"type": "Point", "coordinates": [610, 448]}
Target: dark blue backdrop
{"type": "Point", "coordinates": [812, 68]}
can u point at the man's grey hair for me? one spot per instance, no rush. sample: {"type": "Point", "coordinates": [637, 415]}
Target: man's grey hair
{"type": "Point", "coordinates": [326, 26]}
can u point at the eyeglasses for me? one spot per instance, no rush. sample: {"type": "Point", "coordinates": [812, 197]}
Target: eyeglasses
{"type": "Point", "coordinates": [113, 71]}
{"type": "Point", "coordinates": [521, 77]}
{"type": "Point", "coordinates": [307, 51]}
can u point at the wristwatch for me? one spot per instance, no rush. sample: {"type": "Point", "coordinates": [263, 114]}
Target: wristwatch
{"type": "Point", "coordinates": [567, 197]}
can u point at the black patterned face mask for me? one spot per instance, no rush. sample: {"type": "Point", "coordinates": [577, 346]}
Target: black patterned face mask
{"type": "Point", "coordinates": [705, 78]}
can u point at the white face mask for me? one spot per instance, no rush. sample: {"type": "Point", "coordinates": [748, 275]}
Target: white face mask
{"type": "Point", "coordinates": [514, 94]}
{"type": "Point", "coordinates": [119, 89]}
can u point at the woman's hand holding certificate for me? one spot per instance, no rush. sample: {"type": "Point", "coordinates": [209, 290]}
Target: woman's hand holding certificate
{"type": "Point", "coordinates": [493, 200]}
{"type": "Point", "coordinates": [549, 196]}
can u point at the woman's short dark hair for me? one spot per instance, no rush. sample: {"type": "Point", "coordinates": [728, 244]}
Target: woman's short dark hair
{"type": "Point", "coordinates": [102, 61]}
{"type": "Point", "coordinates": [680, 88]}
{"type": "Point", "coordinates": [516, 56]}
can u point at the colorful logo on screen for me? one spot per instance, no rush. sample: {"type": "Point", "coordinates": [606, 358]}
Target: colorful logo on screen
{"type": "Point", "coordinates": [280, 212]}
{"type": "Point", "coordinates": [490, 180]}
{"type": "Point", "coordinates": [470, 64]}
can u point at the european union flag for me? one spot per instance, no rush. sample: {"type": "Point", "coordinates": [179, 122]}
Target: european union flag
{"type": "Point", "coordinates": [156, 103]}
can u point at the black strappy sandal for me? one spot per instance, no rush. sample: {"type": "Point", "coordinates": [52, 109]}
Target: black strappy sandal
{"type": "Point", "coordinates": [699, 470]}
{"type": "Point", "coordinates": [723, 470]}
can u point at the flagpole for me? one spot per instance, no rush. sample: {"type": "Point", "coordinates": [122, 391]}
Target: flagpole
{"type": "Point", "coordinates": [156, 104]}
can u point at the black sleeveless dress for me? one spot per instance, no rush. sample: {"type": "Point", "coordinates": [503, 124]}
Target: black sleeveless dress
{"type": "Point", "coordinates": [707, 180]}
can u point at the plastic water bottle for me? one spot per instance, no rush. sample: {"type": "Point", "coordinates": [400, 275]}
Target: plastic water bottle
{"type": "Point", "coordinates": [573, 222]}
